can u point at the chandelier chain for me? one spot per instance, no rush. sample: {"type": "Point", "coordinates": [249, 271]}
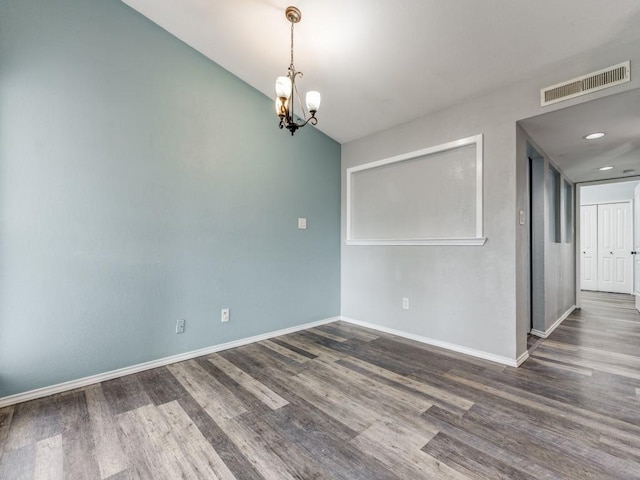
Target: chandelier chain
{"type": "Point", "coordinates": [291, 65]}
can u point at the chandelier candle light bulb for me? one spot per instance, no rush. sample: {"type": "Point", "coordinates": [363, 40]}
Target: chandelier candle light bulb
{"type": "Point", "coordinates": [313, 101]}
{"type": "Point", "coordinates": [286, 90]}
{"type": "Point", "coordinates": [283, 87]}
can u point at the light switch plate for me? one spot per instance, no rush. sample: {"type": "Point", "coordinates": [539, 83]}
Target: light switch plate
{"type": "Point", "coordinates": [180, 326]}
{"type": "Point", "coordinates": [302, 223]}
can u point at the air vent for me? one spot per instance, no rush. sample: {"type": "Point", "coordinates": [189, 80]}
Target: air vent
{"type": "Point", "coordinates": [589, 83]}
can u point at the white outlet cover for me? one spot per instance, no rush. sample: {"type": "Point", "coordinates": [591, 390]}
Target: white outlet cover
{"type": "Point", "coordinates": [302, 223]}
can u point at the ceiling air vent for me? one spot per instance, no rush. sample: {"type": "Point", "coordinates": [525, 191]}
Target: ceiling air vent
{"type": "Point", "coordinates": [591, 82]}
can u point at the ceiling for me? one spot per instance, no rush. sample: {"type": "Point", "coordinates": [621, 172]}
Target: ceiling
{"type": "Point", "coordinates": [560, 134]}
{"type": "Point", "coordinates": [381, 63]}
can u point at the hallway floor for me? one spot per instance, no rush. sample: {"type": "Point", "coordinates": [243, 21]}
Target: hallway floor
{"type": "Point", "coordinates": [610, 306]}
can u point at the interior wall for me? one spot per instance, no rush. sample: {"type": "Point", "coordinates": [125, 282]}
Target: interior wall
{"type": "Point", "coordinates": [140, 183]}
{"type": "Point", "coordinates": [560, 270]}
{"type": "Point", "coordinates": [553, 267]}
{"type": "Point", "coordinates": [607, 193]}
{"type": "Point", "coordinates": [471, 297]}
{"type": "Point", "coordinates": [462, 295]}
{"type": "Point", "coordinates": [538, 240]}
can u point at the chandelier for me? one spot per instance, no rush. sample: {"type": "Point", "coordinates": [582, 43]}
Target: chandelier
{"type": "Point", "coordinates": [286, 90]}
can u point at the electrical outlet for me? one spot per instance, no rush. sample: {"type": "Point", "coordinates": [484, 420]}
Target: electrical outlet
{"type": "Point", "coordinates": [405, 303]}
{"type": "Point", "coordinates": [180, 326]}
{"type": "Point", "coordinates": [224, 315]}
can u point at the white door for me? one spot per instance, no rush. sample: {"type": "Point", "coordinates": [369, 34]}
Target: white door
{"type": "Point", "coordinates": [614, 248]}
{"type": "Point", "coordinates": [636, 245]}
{"type": "Point", "coordinates": [588, 247]}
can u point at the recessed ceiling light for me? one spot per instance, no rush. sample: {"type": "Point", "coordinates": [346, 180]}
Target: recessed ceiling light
{"type": "Point", "coordinates": [605, 168]}
{"type": "Point", "coordinates": [628, 172]}
{"type": "Point", "coordinates": [593, 136]}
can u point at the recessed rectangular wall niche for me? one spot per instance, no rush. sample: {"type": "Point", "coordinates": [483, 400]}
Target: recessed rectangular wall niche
{"type": "Point", "coordinates": [428, 197]}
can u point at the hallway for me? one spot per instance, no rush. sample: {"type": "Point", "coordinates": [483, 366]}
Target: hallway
{"type": "Point", "coordinates": [610, 306]}
{"type": "Point", "coordinates": [606, 330]}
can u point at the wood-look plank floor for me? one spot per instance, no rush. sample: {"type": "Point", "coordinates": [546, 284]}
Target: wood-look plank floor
{"type": "Point", "coordinates": [343, 402]}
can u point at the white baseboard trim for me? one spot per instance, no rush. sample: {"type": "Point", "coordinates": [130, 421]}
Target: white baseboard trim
{"type": "Point", "coordinates": [121, 372]}
{"type": "Point", "coordinates": [521, 359]}
{"type": "Point", "coordinates": [549, 331]}
{"type": "Point", "coordinates": [439, 343]}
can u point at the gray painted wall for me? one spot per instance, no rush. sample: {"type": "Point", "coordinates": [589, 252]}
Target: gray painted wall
{"type": "Point", "coordinates": [539, 238]}
{"type": "Point", "coordinates": [474, 297]}
{"type": "Point", "coordinates": [141, 183]}
{"type": "Point", "coordinates": [460, 295]}
{"type": "Point", "coordinates": [607, 193]}
{"type": "Point", "coordinates": [558, 292]}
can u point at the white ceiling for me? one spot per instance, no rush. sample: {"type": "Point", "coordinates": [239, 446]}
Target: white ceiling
{"type": "Point", "coordinates": [381, 63]}
{"type": "Point", "coordinates": [560, 134]}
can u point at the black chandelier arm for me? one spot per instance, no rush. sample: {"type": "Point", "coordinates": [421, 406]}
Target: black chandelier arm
{"type": "Point", "coordinates": [293, 126]}
{"type": "Point", "coordinates": [312, 120]}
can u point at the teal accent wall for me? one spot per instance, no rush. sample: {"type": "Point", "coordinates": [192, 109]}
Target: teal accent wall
{"type": "Point", "coordinates": [141, 183]}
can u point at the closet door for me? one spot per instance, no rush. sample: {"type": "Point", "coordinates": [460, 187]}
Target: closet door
{"type": "Point", "coordinates": [614, 248]}
{"type": "Point", "coordinates": [589, 247]}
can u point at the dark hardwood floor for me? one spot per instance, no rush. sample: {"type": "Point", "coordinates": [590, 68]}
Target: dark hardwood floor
{"type": "Point", "coordinates": [342, 402]}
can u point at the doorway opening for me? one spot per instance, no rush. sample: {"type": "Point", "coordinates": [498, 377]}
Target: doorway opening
{"type": "Point", "coordinates": [609, 224]}
{"type": "Point", "coordinates": [536, 237]}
